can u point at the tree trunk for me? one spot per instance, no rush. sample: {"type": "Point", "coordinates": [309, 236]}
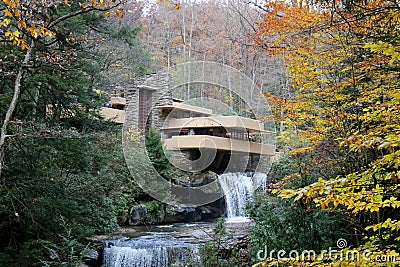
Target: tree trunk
{"type": "Point", "coordinates": [13, 104]}
{"type": "Point", "coordinates": [35, 103]}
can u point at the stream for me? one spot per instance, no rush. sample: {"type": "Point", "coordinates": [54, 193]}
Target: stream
{"type": "Point", "coordinates": [178, 244]}
{"type": "Point", "coordinates": [155, 246]}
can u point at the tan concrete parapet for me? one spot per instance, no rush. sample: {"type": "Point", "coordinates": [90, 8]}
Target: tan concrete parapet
{"type": "Point", "coordinates": [115, 115]}
{"type": "Point", "coordinates": [231, 122]}
{"type": "Point", "coordinates": [186, 107]}
{"type": "Point", "coordinates": [118, 101]}
{"type": "Point", "coordinates": [187, 142]}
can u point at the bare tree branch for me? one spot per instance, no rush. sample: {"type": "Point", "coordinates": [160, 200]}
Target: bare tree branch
{"type": "Point", "coordinates": [256, 4]}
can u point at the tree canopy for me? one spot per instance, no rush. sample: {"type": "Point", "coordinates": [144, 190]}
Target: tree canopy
{"type": "Point", "coordinates": [63, 175]}
{"type": "Point", "coordinates": [343, 63]}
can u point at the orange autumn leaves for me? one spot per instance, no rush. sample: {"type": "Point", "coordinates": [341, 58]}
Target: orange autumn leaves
{"type": "Point", "coordinates": [283, 26]}
{"type": "Point", "coordinates": [21, 20]}
{"type": "Point", "coordinates": [344, 71]}
{"type": "Point", "coordinates": [14, 24]}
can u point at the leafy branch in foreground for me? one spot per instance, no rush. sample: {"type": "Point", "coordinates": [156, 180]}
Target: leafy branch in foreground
{"type": "Point", "coordinates": [344, 69]}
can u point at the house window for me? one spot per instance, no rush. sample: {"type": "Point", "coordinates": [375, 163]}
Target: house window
{"type": "Point", "coordinates": [145, 97]}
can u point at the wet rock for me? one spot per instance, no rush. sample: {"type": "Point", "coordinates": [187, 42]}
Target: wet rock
{"type": "Point", "coordinates": [137, 215]}
{"type": "Point", "coordinates": [182, 182]}
{"type": "Point", "coordinates": [92, 259]}
{"type": "Point", "coordinates": [213, 210]}
{"type": "Point", "coordinates": [199, 179]}
{"type": "Point", "coordinates": [93, 255]}
{"type": "Point", "coordinates": [156, 215]}
{"type": "Point", "coordinates": [210, 212]}
{"type": "Point", "coordinates": [141, 215]}
{"type": "Point", "coordinates": [182, 214]}
{"type": "Point", "coordinates": [210, 177]}
{"type": "Point", "coordinates": [201, 234]}
{"type": "Point", "coordinates": [197, 182]}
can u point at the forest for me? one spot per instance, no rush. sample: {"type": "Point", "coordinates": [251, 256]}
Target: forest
{"type": "Point", "coordinates": [329, 71]}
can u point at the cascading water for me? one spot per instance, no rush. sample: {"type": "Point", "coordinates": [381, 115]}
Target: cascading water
{"type": "Point", "coordinates": [116, 256]}
{"type": "Point", "coordinates": [127, 256]}
{"type": "Point", "coordinates": [167, 245]}
{"type": "Point", "coordinates": [158, 249]}
{"type": "Point", "coordinates": [238, 189]}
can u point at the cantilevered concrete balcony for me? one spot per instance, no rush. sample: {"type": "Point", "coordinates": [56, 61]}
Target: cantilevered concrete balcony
{"type": "Point", "coordinates": [188, 142]}
{"type": "Point", "coordinates": [121, 101]}
{"type": "Point", "coordinates": [178, 106]}
{"type": "Point", "coordinates": [115, 115]}
{"type": "Point", "coordinates": [228, 122]}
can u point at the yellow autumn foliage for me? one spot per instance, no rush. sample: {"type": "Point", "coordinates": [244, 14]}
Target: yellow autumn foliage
{"type": "Point", "coordinates": [343, 64]}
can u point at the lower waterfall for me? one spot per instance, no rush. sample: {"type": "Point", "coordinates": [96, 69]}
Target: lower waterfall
{"type": "Point", "coordinates": [238, 189]}
{"type": "Point", "coordinates": [178, 245]}
{"type": "Point", "coordinates": [148, 254]}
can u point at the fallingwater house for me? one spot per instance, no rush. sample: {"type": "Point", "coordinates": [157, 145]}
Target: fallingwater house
{"type": "Point", "coordinates": [197, 137]}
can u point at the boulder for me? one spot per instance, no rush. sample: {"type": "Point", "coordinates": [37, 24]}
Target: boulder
{"type": "Point", "coordinates": [182, 214]}
{"type": "Point", "coordinates": [213, 210]}
{"type": "Point", "coordinates": [210, 177]}
{"type": "Point", "coordinates": [141, 215]}
{"type": "Point", "coordinates": [138, 215]}
{"type": "Point", "coordinates": [92, 259]}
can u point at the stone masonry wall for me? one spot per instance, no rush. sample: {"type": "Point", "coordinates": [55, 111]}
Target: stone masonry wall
{"type": "Point", "coordinates": [161, 95]}
{"type": "Point", "coordinates": [132, 103]}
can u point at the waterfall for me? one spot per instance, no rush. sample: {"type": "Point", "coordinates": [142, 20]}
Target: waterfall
{"type": "Point", "coordinates": [238, 189]}
{"type": "Point", "coordinates": [171, 247]}
{"type": "Point", "coordinates": [126, 256]}
{"type": "Point", "coordinates": [156, 254]}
